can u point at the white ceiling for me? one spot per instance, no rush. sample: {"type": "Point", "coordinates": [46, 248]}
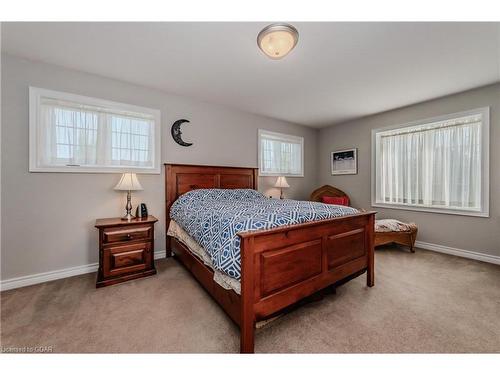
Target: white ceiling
{"type": "Point", "coordinates": [337, 72]}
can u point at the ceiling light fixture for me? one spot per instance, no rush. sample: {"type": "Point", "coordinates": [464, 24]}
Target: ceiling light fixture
{"type": "Point", "coordinates": [277, 40]}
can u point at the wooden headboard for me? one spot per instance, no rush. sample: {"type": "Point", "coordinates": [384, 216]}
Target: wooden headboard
{"type": "Point", "coordinates": [181, 178]}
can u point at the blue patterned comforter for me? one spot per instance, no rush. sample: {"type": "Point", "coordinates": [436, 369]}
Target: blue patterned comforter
{"type": "Point", "coordinates": [213, 217]}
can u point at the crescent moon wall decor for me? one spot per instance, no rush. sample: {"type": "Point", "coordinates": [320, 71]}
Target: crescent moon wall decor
{"type": "Point", "coordinates": [176, 133]}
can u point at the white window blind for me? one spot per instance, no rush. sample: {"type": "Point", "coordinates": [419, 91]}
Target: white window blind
{"type": "Point", "coordinates": [74, 133]}
{"type": "Point", "coordinates": [280, 154]}
{"type": "Point", "coordinates": [436, 165]}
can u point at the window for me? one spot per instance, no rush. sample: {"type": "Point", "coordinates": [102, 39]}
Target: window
{"type": "Point", "coordinates": [437, 165]}
{"type": "Point", "coordinates": [280, 154]}
{"type": "Point", "coordinates": [72, 133]}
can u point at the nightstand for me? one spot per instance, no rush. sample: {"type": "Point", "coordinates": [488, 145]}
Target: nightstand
{"type": "Point", "coordinates": [126, 249]}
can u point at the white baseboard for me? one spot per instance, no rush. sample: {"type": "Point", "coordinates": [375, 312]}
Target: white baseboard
{"type": "Point", "coordinates": [38, 278]}
{"type": "Point", "coordinates": [160, 254]}
{"type": "Point", "coordinates": [458, 252]}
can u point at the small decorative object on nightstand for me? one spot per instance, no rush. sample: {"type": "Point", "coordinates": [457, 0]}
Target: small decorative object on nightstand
{"type": "Point", "coordinates": [126, 249]}
{"type": "Point", "coordinates": [281, 183]}
{"type": "Point", "coordinates": [128, 183]}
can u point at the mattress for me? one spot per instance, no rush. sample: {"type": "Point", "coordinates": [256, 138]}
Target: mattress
{"type": "Point", "coordinates": [214, 217]}
{"type": "Point", "coordinates": [225, 281]}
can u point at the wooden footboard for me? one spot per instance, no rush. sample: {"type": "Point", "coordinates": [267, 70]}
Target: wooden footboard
{"type": "Point", "coordinates": [283, 265]}
{"type": "Point", "coordinates": [279, 266]}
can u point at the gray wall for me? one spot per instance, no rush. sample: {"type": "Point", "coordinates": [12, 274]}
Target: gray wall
{"type": "Point", "coordinates": [47, 218]}
{"type": "Point", "coordinates": [462, 232]}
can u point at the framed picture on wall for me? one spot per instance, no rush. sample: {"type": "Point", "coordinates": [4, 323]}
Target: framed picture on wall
{"type": "Point", "coordinates": [345, 161]}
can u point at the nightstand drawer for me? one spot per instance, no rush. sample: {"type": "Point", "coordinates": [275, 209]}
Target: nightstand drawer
{"type": "Point", "coordinates": [122, 234]}
{"type": "Point", "coordinates": [119, 260]}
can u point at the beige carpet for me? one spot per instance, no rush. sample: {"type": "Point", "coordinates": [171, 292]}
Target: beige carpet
{"type": "Point", "coordinates": [423, 302]}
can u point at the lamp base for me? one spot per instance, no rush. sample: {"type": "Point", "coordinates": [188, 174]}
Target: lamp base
{"type": "Point", "coordinates": [128, 216]}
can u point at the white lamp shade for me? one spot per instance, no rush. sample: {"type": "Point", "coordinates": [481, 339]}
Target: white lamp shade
{"type": "Point", "coordinates": [128, 181]}
{"type": "Point", "coordinates": [281, 182]}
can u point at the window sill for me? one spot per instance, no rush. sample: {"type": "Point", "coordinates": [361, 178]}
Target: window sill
{"type": "Point", "coordinates": [432, 210]}
{"type": "Point", "coordinates": [77, 169]}
{"type": "Point", "coordinates": [279, 174]}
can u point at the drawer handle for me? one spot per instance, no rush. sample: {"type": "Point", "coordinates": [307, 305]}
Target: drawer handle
{"type": "Point", "coordinates": [129, 236]}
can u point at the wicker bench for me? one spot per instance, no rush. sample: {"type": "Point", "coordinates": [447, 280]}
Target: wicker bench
{"type": "Point", "coordinates": [394, 231]}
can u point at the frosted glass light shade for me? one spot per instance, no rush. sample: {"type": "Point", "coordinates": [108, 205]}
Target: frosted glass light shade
{"type": "Point", "coordinates": [128, 182]}
{"type": "Point", "coordinates": [277, 40]}
{"type": "Point", "coordinates": [281, 182]}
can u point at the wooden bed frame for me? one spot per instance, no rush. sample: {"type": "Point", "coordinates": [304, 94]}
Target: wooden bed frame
{"type": "Point", "coordinates": [279, 266]}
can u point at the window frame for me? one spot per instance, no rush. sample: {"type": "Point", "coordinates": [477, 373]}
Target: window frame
{"type": "Point", "coordinates": [485, 143]}
{"type": "Point", "coordinates": [36, 93]}
{"type": "Point", "coordinates": [283, 137]}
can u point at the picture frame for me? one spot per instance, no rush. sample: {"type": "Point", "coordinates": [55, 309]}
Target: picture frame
{"type": "Point", "coordinates": [344, 162]}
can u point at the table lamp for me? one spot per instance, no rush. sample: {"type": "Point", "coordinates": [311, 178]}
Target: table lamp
{"type": "Point", "coordinates": [128, 183]}
{"type": "Point", "coordinates": [281, 183]}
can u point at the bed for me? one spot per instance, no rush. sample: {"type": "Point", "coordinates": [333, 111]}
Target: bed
{"type": "Point", "coordinates": [279, 266]}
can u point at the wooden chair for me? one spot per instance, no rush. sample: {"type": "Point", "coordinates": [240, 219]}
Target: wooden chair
{"type": "Point", "coordinates": [327, 190]}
